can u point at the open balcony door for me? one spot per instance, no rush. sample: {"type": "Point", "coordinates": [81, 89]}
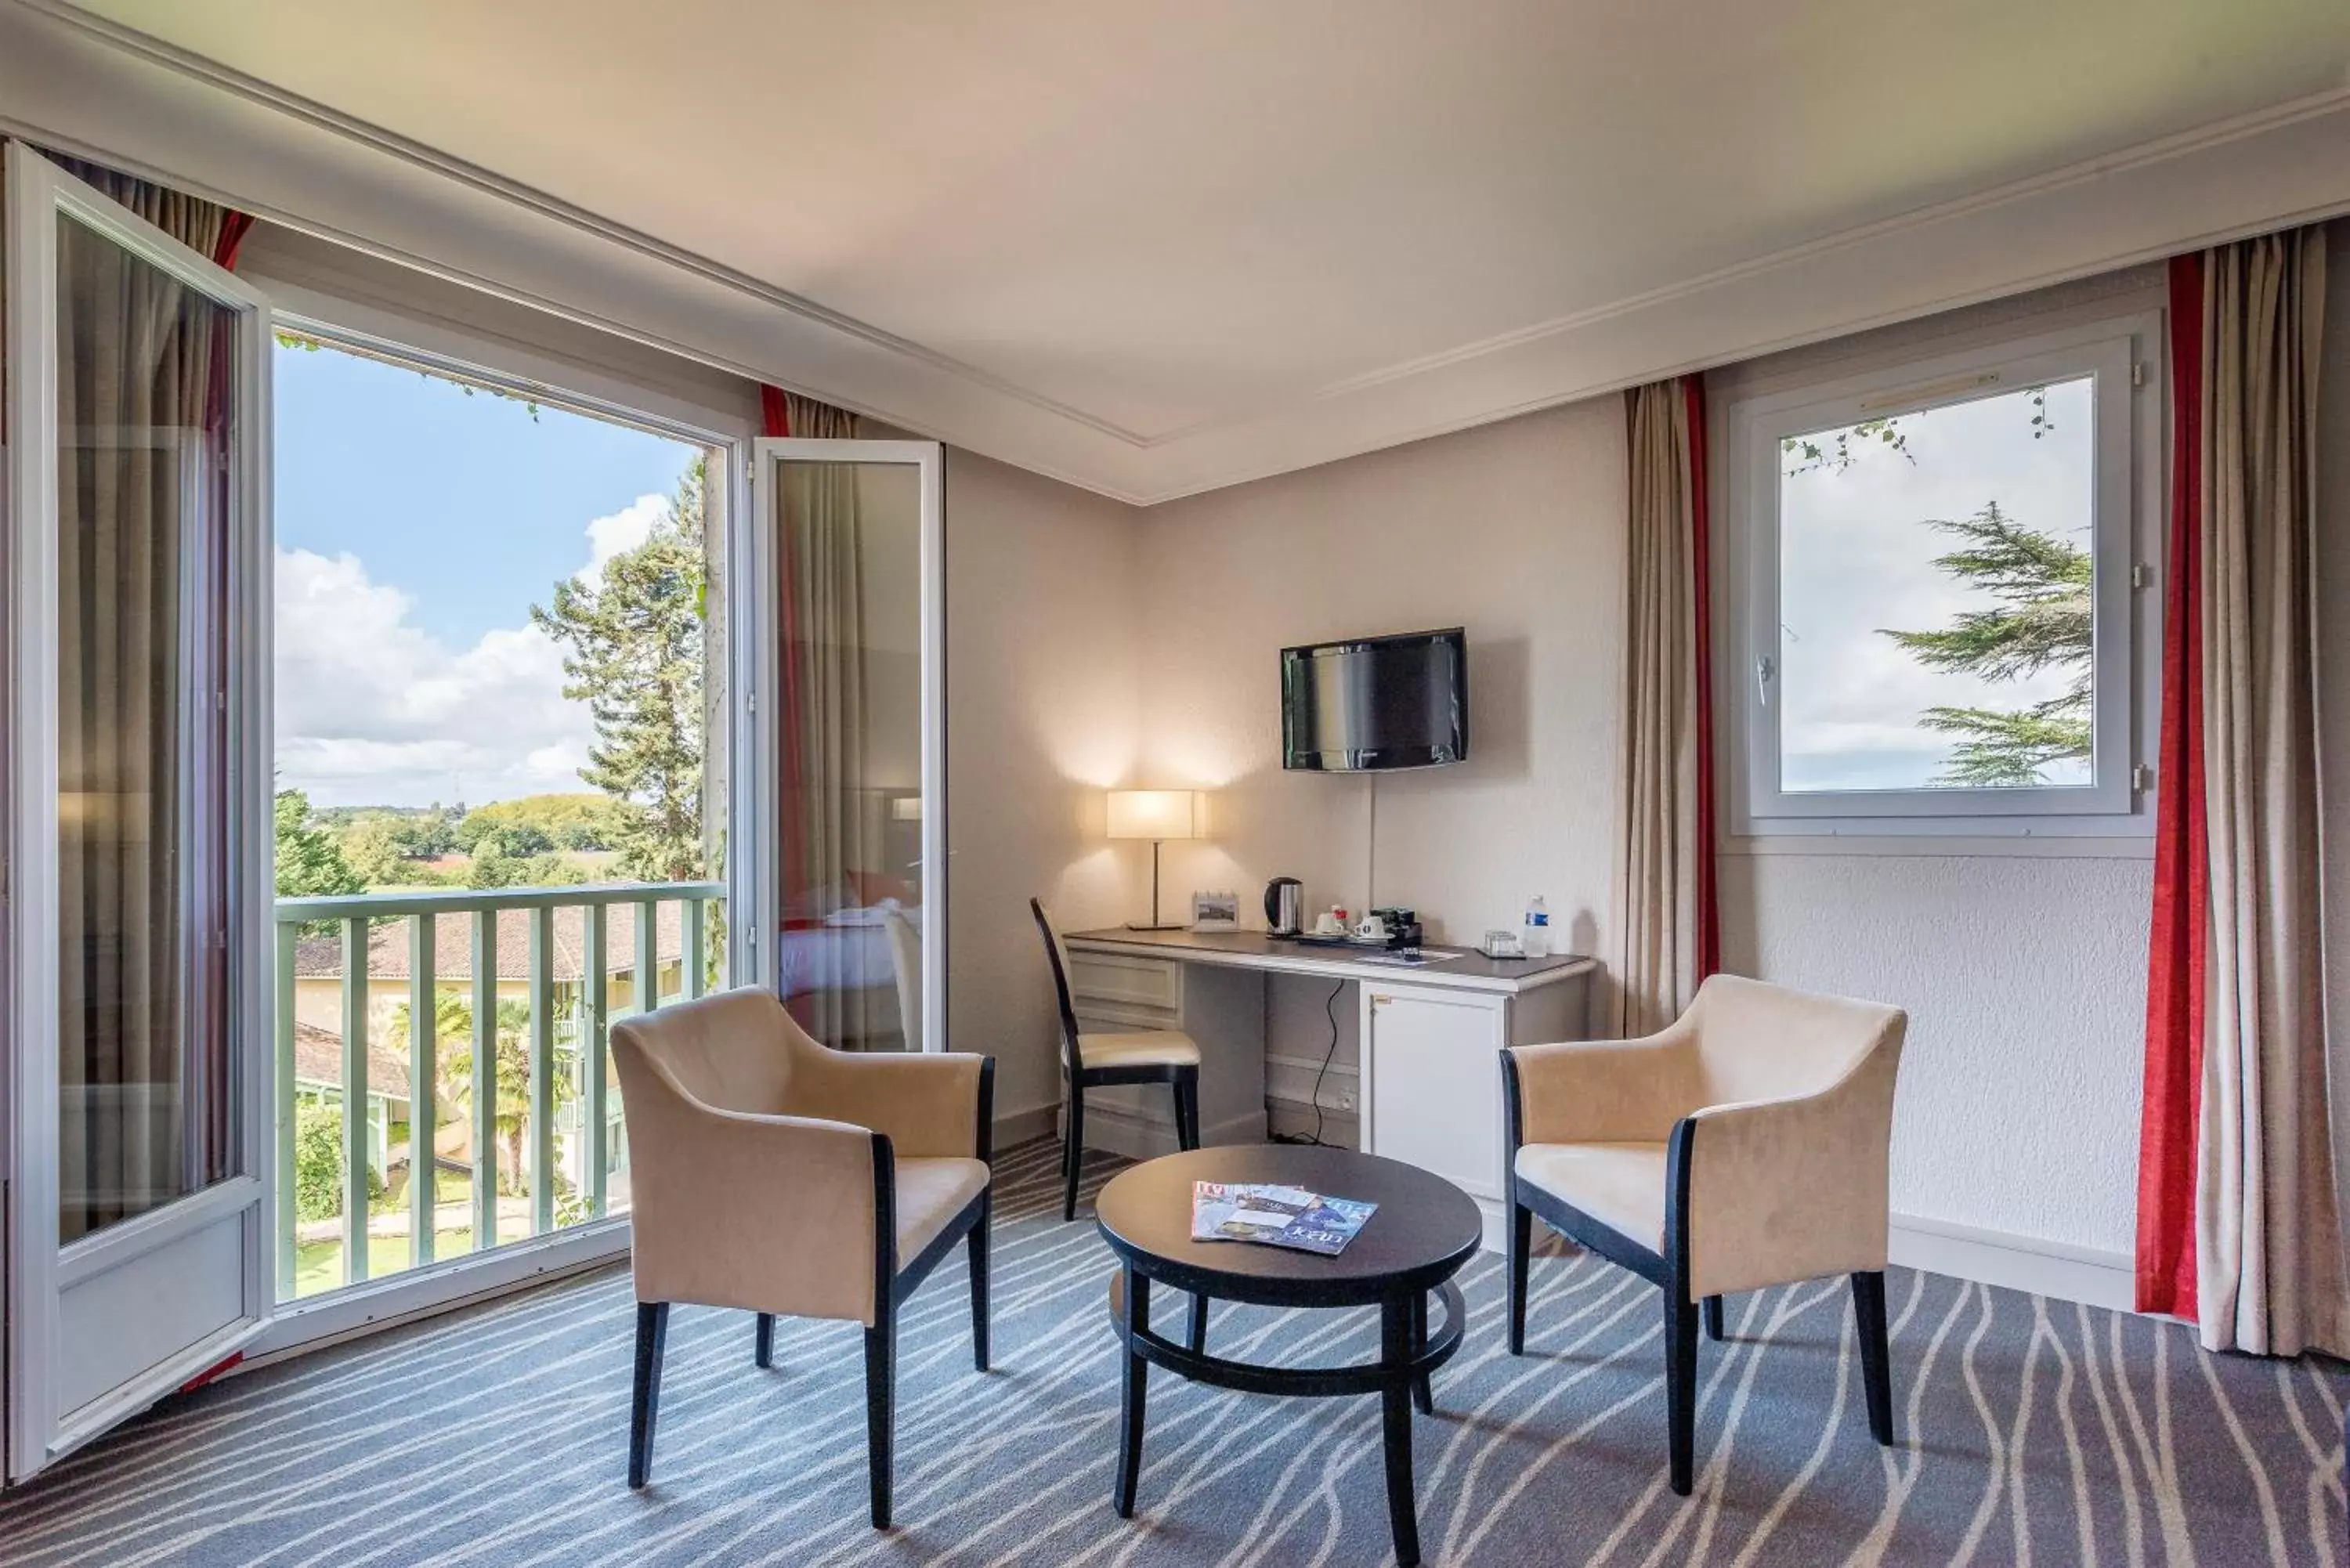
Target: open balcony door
{"type": "Point", "coordinates": [136, 1010]}
{"type": "Point", "coordinates": [848, 818]}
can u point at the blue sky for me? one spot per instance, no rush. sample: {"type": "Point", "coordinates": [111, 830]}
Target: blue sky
{"type": "Point", "coordinates": [416, 525]}
{"type": "Point", "coordinates": [412, 474]}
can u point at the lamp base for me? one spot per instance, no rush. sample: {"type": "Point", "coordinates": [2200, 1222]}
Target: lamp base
{"type": "Point", "coordinates": [1148, 926]}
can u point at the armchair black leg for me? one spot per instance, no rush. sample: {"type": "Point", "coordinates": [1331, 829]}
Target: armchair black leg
{"type": "Point", "coordinates": [1875, 1359]}
{"type": "Point", "coordinates": [1522, 1240]}
{"type": "Point", "coordinates": [763, 1342]}
{"type": "Point", "coordinates": [1076, 1150]}
{"type": "Point", "coordinates": [1680, 1386]}
{"type": "Point", "coordinates": [880, 1409]}
{"type": "Point", "coordinates": [978, 1254]}
{"type": "Point", "coordinates": [653, 1335]}
{"type": "Point", "coordinates": [1713, 1319]}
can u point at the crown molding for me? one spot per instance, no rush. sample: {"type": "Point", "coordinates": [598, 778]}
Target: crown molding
{"type": "Point", "coordinates": [96, 87]}
{"type": "Point", "coordinates": [391, 144]}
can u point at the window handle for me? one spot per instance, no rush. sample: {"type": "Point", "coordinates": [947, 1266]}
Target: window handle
{"type": "Point", "coordinates": [1764, 670]}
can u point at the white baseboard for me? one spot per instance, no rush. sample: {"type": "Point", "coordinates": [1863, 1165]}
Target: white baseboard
{"type": "Point", "coordinates": [1138, 1137]}
{"type": "Point", "coordinates": [2056, 1269]}
{"type": "Point", "coordinates": [1013, 1128]}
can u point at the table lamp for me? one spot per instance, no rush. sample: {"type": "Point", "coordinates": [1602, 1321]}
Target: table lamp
{"type": "Point", "coordinates": [1158, 814]}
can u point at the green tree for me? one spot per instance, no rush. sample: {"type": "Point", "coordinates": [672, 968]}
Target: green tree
{"type": "Point", "coordinates": [318, 1161]}
{"type": "Point", "coordinates": [376, 847]}
{"type": "Point", "coordinates": [633, 650]}
{"type": "Point", "coordinates": [2043, 621]}
{"type": "Point", "coordinates": [310, 863]}
{"type": "Point", "coordinates": [580, 822]}
{"type": "Point", "coordinates": [452, 1025]}
{"type": "Point", "coordinates": [496, 869]}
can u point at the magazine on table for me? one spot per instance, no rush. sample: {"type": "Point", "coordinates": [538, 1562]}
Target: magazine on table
{"type": "Point", "coordinates": [1276, 1216]}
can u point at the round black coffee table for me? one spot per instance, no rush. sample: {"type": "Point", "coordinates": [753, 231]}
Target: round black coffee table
{"type": "Point", "coordinates": [1425, 1229]}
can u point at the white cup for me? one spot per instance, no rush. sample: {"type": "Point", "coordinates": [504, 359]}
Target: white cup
{"type": "Point", "coordinates": [1326, 924]}
{"type": "Point", "coordinates": [1371, 928]}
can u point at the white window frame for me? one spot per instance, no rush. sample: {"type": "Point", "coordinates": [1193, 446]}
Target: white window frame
{"type": "Point", "coordinates": [2123, 357]}
{"type": "Point", "coordinates": [433, 345]}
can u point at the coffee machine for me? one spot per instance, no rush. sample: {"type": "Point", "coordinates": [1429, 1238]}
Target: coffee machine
{"type": "Point", "coordinates": [1284, 906]}
{"type": "Point", "coordinates": [1403, 927]}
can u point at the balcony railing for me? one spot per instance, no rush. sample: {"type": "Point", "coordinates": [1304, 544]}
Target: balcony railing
{"type": "Point", "coordinates": [570, 1005]}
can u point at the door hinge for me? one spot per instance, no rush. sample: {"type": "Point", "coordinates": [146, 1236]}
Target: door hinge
{"type": "Point", "coordinates": [2141, 777]}
{"type": "Point", "coordinates": [2138, 372]}
{"type": "Point", "coordinates": [2140, 574]}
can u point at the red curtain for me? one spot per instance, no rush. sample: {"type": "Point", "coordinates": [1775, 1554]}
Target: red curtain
{"type": "Point", "coordinates": [2172, 1107]}
{"type": "Point", "coordinates": [235, 226]}
{"type": "Point", "coordinates": [1708, 897]}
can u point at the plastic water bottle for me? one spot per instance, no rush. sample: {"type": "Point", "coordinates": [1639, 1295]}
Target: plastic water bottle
{"type": "Point", "coordinates": [1537, 927]}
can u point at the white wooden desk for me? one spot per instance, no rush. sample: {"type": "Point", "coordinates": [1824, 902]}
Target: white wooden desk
{"type": "Point", "coordinates": [1429, 1039]}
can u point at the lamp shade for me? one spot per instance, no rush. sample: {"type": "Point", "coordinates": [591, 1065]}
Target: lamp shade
{"type": "Point", "coordinates": [1154, 814]}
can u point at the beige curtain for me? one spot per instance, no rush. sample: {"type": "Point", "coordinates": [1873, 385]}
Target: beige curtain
{"type": "Point", "coordinates": [2269, 1266]}
{"type": "Point", "coordinates": [144, 443]}
{"type": "Point", "coordinates": [1658, 841]}
{"type": "Point", "coordinates": [832, 839]}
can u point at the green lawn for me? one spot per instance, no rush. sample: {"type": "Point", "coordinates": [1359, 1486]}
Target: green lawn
{"type": "Point", "coordinates": [319, 1266]}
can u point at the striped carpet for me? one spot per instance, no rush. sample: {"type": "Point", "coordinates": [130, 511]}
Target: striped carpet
{"type": "Point", "coordinates": [2032, 1430]}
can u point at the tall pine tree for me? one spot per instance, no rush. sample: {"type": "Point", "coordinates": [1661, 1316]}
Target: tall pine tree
{"type": "Point", "coordinates": [633, 652]}
{"type": "Point", "coordinates": [2043, 620]}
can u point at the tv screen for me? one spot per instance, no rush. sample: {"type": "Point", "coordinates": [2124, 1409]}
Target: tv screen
{"type": "Point", "coordinates": [1375, 703]}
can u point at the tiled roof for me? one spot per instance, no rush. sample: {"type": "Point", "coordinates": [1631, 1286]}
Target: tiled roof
{"type": "Point", "coordinates": [318, 1059]}
{"type": "Point", "coordinates": [321, 958]}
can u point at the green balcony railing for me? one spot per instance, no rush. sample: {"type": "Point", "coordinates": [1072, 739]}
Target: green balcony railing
{"type": "Point", "coordinates": [568, 989]}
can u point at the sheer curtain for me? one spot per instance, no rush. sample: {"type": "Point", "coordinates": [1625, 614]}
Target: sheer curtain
{"type": "Point", "coordinates": [1668, 933]}
{"type": "Point", "coordinates": [831, 832]}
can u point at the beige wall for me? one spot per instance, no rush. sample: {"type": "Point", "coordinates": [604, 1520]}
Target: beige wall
{"type": "Point", "coordinates": [1043, 619]}
{"type": "Point", "coordinates": [1514, 531]}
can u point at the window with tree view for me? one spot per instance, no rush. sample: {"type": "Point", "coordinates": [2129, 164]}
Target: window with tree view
{"type": "Point", "coordinates": [1929, 637]}
{"type": "Point", "coordinates": [499, 651]}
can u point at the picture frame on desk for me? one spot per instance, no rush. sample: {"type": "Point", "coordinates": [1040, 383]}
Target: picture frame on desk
{"type": "Point", "coordinates": [1215, 911]}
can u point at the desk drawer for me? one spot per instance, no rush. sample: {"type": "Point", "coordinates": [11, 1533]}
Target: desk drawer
{"type": "Point", "coordinates": [1118, 982]}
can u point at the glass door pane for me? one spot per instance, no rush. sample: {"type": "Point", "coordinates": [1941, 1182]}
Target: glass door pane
{"type": "Point", "coordinates": [146, 387]}
{"type": "Point", "coordinates": [138, 841]}
{"type": "Point", "coordinates": [854, 561]}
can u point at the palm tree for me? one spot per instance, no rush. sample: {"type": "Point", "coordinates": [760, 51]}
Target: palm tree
{"type": "Point", "coordinates": [452, 1017]}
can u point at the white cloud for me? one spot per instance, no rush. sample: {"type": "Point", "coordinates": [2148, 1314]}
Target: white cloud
{"type": "Point", "coordinates": [371, 709]}
{"type": "Point", "coordinates": [624, 530]}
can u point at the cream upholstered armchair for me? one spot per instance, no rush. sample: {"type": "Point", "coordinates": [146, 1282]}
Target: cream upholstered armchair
{"type": "Point", "coordinates": [1744, 1145]}
{"type": "Point", "coordinates": [769, 1173]}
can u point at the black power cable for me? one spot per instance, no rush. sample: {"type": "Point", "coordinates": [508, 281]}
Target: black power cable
{"type": "Point", "coordinates": [1329, 1010]}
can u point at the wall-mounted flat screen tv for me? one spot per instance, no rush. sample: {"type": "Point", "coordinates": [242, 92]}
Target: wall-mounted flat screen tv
{"type": "Point", "coordinates": [1375, 702]}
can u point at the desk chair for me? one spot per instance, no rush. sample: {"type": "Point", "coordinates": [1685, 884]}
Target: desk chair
{"type": "Point", "coordinates": [1092, 1061]}
{"type": "Point", "coordinates": [906, 966]}
{"type": "Point", "coordinates": [772, 1174]}
{"type": "Point", "coordinates": [1743, 1146]}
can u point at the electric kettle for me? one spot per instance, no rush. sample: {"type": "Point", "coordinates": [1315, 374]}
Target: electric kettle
{"type": "Point", "coordinates": [1284, 906]}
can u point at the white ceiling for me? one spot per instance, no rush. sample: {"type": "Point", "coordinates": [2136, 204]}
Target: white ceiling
{"type": "Point", "coordinates": [1227, 237]}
